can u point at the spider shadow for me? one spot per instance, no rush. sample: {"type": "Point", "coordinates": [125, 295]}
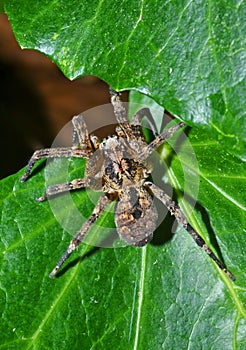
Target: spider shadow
{"type": "Point", "coordinates": [76, 261]}
{"type": "Point", "coordinates": [41, 165]}
{"type": "Point", "coordinates": [38, 167]}
{"type": "Point", "coordinates": [105, 242]}
{"type": "Point", "coordinates": [169, 226]}
{"type": "Point", "coordinates": [160, 169]}
{"type": "Point", "coordinates": [180, 140]}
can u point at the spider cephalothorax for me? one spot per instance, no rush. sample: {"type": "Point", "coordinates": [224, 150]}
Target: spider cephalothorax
{"type": "Point", "coordinates": [118, 166]}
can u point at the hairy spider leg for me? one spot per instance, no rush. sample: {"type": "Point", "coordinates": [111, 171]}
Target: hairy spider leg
{"type": "Point", "coordinates": [64, 187]}
{"type": "Point", "coordinates": [80, 133]}
{"type": "Point", "coordinates": [175, 210]}
{"type": "Point", "coordinates": [95, 142]}
{"type": "Point", "coordinates": [119, 109]}
{"type": "Point", "coordinates": [58, 152]}
{"type": "Point", "coordinates": [85, 141]}
{"type": "Point", "coordinates": [132, 130]}
{"type": "Point", "coordinates": [120, 113]}
{"type": "Point", "coordinates": [81, 136]}
{"type": "Point", "coordinates": [158, 141]}
{"type": "Point", "coordinates": [136, 123]}
{"type": "Point", "coordinates": [83, 150]}
{"type": "Point", "coordinates": [79, 237]}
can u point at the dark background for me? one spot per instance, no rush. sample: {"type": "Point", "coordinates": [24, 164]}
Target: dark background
{"type": "Point", "coordinates": [36, 100]}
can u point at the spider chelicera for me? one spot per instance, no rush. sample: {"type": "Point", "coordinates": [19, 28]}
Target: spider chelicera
{"type": "Point", "coordinates": [118, 166]}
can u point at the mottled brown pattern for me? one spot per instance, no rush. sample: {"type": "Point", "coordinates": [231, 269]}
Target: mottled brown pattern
{"type": "Point", "coordinates": [118, 166]}
{"type": "Point", "coordinates": [135, 216]}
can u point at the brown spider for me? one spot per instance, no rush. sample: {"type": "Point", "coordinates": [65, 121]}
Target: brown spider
{"type": "Point", "coordinates": [119, 167]}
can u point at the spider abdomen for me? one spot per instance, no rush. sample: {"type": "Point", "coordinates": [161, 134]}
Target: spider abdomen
{"type": "Point", "coordinates": [135, 216]}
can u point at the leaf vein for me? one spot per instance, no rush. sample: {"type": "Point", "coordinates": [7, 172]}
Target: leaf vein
{"type": "Point", "coordinates": [140, 296]}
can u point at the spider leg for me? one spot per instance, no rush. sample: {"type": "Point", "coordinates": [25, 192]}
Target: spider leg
{"type": "Point", "coordinates": [75, 242]}
{"type": "Point", "coordinates": [94, 141]}
{"type": "Point", "coordinates": [64, 187]}
{"type": "Point", "coordinates": [80, 133]}
{"type": "Point", "coordinates": [136, 123]}
{"type": "Point", "coordinates": [119, 109]}
{"type": "Point", "coordinates": [53, 153]}
{"type": "Point", "coordinates": [175, 210]}
{"type": "Point", "coordinates": [82, 147]}
{"type": "Point", "coordinates": [158, 141]}
{"type": "Point", "coordinates": [120, 113]}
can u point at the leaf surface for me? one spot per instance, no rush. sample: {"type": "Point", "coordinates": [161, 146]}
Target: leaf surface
{"type": "Point", "coordinates": [187, 55]}
{"type": "Point", "coordinates": [167, 295]}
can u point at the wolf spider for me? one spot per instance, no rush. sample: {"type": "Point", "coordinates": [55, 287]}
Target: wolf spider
{"type": "Point", "coordinates": [118, 166]}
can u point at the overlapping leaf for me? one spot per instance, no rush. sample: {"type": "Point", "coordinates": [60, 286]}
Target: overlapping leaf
{"type": "Point", "coordinates": [188, 56]}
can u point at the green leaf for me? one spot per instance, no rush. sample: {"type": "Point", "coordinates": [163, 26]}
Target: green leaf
{"type": "Point", "coordinates": [187, 55]}
{"type": "Point", "coordinates": [167, 295]}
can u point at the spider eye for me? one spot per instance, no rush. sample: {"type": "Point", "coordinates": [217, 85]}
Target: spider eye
{"type": "Point", "coordinates": [137, 214]}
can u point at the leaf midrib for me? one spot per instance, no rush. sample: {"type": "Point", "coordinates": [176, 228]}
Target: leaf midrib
{"type": "Point", "coordinates": [140, 296]}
